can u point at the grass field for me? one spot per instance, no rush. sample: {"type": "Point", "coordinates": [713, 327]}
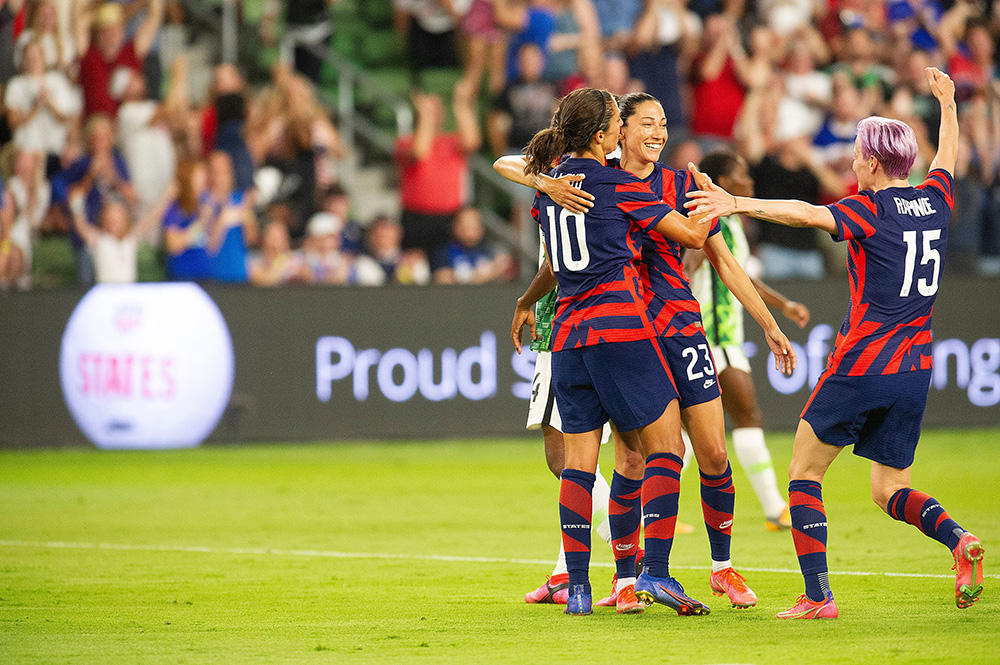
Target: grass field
{"type": "Point", "coordinates": [421, 552]}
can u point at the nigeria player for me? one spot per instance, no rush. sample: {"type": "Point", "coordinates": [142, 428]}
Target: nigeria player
{"type": "Point", "coordinates": [873, 392]}
{"type": "Point", "coordinates": [722, 317]}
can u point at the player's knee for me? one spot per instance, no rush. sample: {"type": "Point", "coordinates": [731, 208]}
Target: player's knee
{"type": "Point", "coordinates": [713, 460]}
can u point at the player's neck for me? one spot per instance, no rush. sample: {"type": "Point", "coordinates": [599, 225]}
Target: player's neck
{"type": "Point", "coordinates": [636, 167]}
{"type": "Point", "coordinates": [885, 183]}
{"type": "Point", "coordinates": [595, 153]}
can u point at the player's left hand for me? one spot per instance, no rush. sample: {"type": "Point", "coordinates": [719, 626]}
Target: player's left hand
{"type": "Point", "coordinates": [784, 355]}
{"type": "Point", "coordinates": [796, 312]}
{"type": "Point", "coordinates": [562, 191]}
{"type": "Point", "coordinates": [522, 317]}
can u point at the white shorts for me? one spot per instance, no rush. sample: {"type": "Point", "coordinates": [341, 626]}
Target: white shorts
{"type": "Point", "coordinates": [542, 409]}
{"type": "Point", "coordinates": [730, 356]}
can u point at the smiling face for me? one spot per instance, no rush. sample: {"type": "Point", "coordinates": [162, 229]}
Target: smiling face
{"type": "Point", "coordinates": [645, 133]}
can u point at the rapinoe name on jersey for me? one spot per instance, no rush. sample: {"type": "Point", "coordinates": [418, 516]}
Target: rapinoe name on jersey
{"type": "Point", "coordinates": [919, 208]}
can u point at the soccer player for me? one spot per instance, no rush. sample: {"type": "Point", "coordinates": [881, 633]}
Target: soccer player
{"type": "Point", "coordinates": [722, 316]}
{"type": "Point", "coordinates": [543, 413]}
{"type": "Point", "coordinates": [873, 392]}
{"type": "Point", "coordinates": [605, 359]}
{"type": "Point", "coordinates": [676, 318]}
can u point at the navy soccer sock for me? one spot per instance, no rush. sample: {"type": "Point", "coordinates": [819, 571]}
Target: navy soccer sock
{"type": "Point", "coordinates": [625, 514]}
{"type": "Point", "coordinates": [924, 512]}
{"type": "Point", "coordinates": [717, 501]}
{"type": "Point", "coordinates": [661, 486]}
{"type": "Point", "coordinates": [575, 492]}
{"type": "Point", "coordinates": [805, 499]}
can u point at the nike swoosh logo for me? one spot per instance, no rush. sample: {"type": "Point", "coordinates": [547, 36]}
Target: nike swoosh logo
{"type": "Point", "coordinates": [726, 524]}
{"type": "Point", "coordinates": [623, 548]}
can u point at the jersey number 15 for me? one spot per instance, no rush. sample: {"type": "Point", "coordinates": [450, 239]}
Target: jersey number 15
{"type": "Point", "coordinates": [929, 255]}
{"type": "Point", "coordinates": [561, 250]}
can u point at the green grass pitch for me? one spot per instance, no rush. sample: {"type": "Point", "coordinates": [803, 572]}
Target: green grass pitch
{"type": "Point", "coordinates": [421, 552]}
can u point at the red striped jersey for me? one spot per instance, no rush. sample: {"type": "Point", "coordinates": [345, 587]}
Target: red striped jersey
{"type": "Point", "coordinates": [672, 307]}
{"type": "Point", "coordinates": [897, 238]}
{"type": "Point", "coordinates": [595, 256]}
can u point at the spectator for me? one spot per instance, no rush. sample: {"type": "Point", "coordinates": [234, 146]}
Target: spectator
{"type": "Point", "coordinates": [485, 47]}
{"type": "Point", "coordinates": [224, 124]}
{"type": "Point", "coordinates": [524, 107]}
{"type": "Point", "coordinates": [666, 39]}
{"type": "Point", "coordinates": [532, 22]}
{"type": "Point", "coordinates": [575, 53]}
{"type": "Point", "coordinates": [57, 44]}
{"type": "Point", "coordinates": [307, 27]}
{"type": "Point", "coordinates": [336, 202]}
{"type": "Point", "coordinates": [276, 263]}
{"type": "Point", "coordinates": [144, 130]}
{"type": "Point", "coordinates": [717, 74]}
{"type": "Point", "coordinates": [385, 246]}
{"type": "Point", "coordinates": [107, 50]}
{"type": "Point", "coordinates": [973, 65]}
{"type": "Point", "coordinates": [467, 259]}
{"type": "Point", "coordinates": [101, 173]}
{"type": "Point", "coordinates": [9, 10]}
{"type": "Point", "coordinates": [867, 74]}
{"type": "Point", "coordinates": [29, 194]}
{"type": "Point", "coordinates": [231, 226]}
{"type": "Point", "coordinates": [42, 107]}
{"type": "Point", "coordinates": [834, 142]}
{"type": "Point", "coordinates": [430, 34]}
{"type": "Point", "coordinates": [433, 169]}
{"type": "Point", "coordinates": [184, 226]}
{"type": "Point", "coordinates": [810, 89]}
{"type": "Point", "coordinates": [113, 244]}
{"type": "Point", "coordinates": [618, 19]}
{"type": "Point", "coordinates": [328, 264]}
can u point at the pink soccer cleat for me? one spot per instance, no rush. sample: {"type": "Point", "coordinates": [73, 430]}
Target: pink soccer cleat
{"type": "Point", "coordinates": [968, 570]}
{"type": "Point", "coordinates": [612, 600]}
{"type": "Point", "coordinates": [807, 609]}
{"type": "Point", "coordinates": [555, 591]}
{"type": "Point", "coordinates": [728, 582]}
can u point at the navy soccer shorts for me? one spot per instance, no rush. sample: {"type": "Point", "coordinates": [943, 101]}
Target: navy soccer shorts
{"type": "Point", "coordinates": [692, 367]}
{"type": "Point", "coordinates": [879, 414]}
{"type": "Point", "coordinates": [626, 382]}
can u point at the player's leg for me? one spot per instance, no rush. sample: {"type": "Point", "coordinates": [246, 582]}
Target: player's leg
{"type": "Point", "coordinates": [706, 428]}
{"type": "Point", "coordinates": [625, 519]}
{"type": "Point", "coordinates": [810, 460]}
{"type": "Point", "coordinates": [575, 511]}
{"type": "Point", "coordinates": [740, 401]}
{"type": "Point", "coordinates": [661, 486]}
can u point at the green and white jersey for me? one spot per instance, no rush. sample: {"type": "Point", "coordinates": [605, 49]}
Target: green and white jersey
{"type": "Point", "coordinates": [721, 312]}
{"type": "Point", "coordinates": [545, 311]}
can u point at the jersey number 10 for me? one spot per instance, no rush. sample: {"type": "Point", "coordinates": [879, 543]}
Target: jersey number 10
{"type": "Point", "coordinates": [559, 239]}
{"type": "Point", "coordinates": [929, 254]}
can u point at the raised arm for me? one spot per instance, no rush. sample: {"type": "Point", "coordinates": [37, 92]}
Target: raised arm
{"type": "Point", "coordinates": [560, 190]}
{"type": "Point", "coordinates": [78, 214]}
{"type": "Point", "coordinates": [146, 33]}
{"type": "Point", "coordinates": [737, 281]}
{"type": "Point", "coordinates": [466, 118]}
{"type": "Point", "coordinates": [428, 108]}
{"type": "Point", "coordinates": [944, 90]}
{"type": "Point", "coordinates": [83, 17]}
{"type": "Point", "coordinates": [717, 202]}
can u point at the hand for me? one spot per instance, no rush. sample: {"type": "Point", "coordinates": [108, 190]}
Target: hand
{"type": "Point", "coordinates": [942, 86]}
{"type": "Point", "coordinates": [710, 200]}
{"type": "Point", "coordinates": [523, 316]}
{"type": "Point", "coordinates": [563, 193]}
{"type": "Point", "coordinates": [784, 355]}
{"type": "Point", "coordinates": [796, 312]}
{"type": "Point", "coordinates": [231, 215]}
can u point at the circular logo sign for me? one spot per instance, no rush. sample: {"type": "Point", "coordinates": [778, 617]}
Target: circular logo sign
{"type": "Point", "coordinates": [146, 365]}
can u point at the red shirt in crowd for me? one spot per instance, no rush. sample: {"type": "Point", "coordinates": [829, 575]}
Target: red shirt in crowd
{"type": "Point", "coordinates": [95, 78]}
{"type": "Point", "coordinates": [434, 185]}
{"type": "Point", "coordinates": [717, 102]}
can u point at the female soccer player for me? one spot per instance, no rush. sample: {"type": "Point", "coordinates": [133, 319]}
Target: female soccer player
{"type": "Point", "coordinates": [722, 317]}
{"type": "Point", "coordinates": [675, 315]}
{"type": "Point", "coordinates": [873, 392]}
{"type": "Point", "coordinates": [606, 362]}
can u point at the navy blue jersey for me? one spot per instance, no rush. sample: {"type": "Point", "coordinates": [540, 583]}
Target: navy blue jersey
{"type": "Point", "coordinates": [895, 259]}
{"type": "Point", "coordinates": [594, 256]}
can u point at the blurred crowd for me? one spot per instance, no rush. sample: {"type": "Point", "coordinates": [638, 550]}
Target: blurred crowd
{"type": "Point", "coordinates": [105, 153]}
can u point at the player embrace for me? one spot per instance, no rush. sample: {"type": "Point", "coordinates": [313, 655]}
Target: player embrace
{"type": "Point", "coordinates": [873, 392]}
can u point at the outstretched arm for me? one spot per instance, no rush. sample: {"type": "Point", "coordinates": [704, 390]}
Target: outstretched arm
{"type": "Point", "coordinates": [78, 213]}
{"type": "Point", "coordinates": [737, 281]}
{"type": "Point", "coordinates": [793, 311]}
{"type": "Point", "coordinates": [560, 190]}
{"type": "Point", "coordinates": [146, 34]}
{"type": "Point", "coordinates": [944, 90]}
{"type": "Point", "coordinates": [717, 202]}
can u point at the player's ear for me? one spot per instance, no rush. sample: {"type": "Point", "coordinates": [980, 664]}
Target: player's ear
{"type": "Point", "coordinates": [872, 164]}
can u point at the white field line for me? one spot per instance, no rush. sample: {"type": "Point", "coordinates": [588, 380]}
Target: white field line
{"type": "Point", "coordinates": [326, 554]}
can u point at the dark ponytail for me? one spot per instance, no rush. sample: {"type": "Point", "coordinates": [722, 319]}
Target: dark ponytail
{"type": "Point", "coordinates": [581, 114]}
